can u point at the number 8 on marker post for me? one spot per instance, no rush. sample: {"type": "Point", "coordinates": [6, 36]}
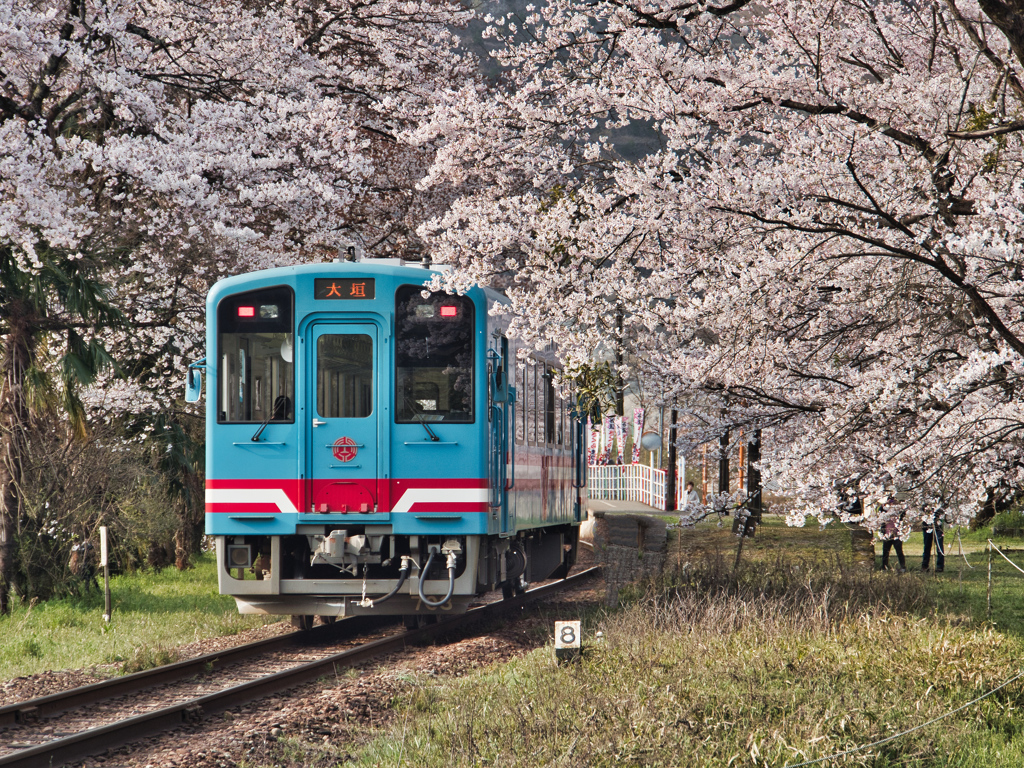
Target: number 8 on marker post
{"type": "Point", "coordinates": [568, 641]}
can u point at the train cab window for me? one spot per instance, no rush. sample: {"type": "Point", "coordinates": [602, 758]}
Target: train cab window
{"type": "Point", "coordinates": [433, 356]}
{"type": "Point", "coordinates": [256, 368]}
{"type": "Point", "coordinates": [344, 375]}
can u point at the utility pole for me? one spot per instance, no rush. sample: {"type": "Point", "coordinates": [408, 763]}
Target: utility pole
{"type": "Point", "coordinates": [704, 477]}
{"type": "Point", "coordinates": [723, 462]}
{"type": "Point", "coordinates": [755, 503]}
{"type": "Point", "coordinates": [620, 389]}
{"type": "Point", "coordinates": [741, 465]}
{"type": "Point", "coordinates": [670, 481]}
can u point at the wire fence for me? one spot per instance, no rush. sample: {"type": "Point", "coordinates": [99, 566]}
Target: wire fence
{"type": "Point", "coordinates": [991, 548]}
{"type": "Point", "coordinates": [901, 734]}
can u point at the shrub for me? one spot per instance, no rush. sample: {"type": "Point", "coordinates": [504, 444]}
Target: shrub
{"type": "Point", "coordinates": [70, 488]}
{"type": "Point", "coordinates": [1009, 523]}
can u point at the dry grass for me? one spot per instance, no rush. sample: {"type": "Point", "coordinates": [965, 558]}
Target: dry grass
{"type": "Point", "coordinates": [800, 653]}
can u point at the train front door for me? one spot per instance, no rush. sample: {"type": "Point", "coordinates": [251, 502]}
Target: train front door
{"type": "Point", "coordinates": [344, 416]}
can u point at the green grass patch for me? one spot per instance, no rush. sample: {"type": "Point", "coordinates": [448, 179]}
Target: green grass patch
{"type": "Point", "coordinates": [153, 613]}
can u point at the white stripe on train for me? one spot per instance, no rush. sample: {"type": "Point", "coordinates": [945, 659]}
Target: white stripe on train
{"type": "Point", "coordinates": [275, 496]}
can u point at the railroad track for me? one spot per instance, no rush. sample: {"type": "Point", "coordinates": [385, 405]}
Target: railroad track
{"type": "Point", "coordinates": [72, 741]}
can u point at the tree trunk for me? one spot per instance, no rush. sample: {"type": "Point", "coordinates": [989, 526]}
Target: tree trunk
{"type": "Point", "coordinates": [8, 516]}
{"type": "Point", "coordinates": [670, 479]}
{"type": "Point", "coordinates": [189, 536]}
{"type": "Point", "coordinates": [13, 423]}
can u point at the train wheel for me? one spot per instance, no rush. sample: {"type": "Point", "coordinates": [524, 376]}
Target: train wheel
{"type": "Point", "coordinates": [328, 620]}
{"type": "Point", "coordinates": [305, 623]}
{"type": "Point", "coordinates": [510, 589]}
{"type": "Point", "coordinates": [569, 558]}
{"type": "Point", "coordinates": [418, 620]}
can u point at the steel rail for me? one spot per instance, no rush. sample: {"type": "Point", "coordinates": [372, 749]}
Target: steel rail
{"type": "Point", "coordinates": [87, 743]}
{"type": "Point", "coordinates": [31, 710]}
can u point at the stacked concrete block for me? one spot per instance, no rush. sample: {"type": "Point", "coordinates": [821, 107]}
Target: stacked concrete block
{"type": "Point", "coordinates": [629, 547]}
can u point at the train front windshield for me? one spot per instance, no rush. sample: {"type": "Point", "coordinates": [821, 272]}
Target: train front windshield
{"type": "Point", "coordinates": [257, 370]}
{"type": "Point", "coordinates": [433, 356]}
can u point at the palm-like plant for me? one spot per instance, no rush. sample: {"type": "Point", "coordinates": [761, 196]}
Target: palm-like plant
{"type": "Point", "coordinates": [50, 318]}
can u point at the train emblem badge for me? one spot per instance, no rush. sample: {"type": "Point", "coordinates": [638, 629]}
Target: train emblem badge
{"type": "Point", "coordinates": [345, 449]}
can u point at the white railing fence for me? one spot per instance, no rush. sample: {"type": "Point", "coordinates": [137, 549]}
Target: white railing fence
{"type": "Point", "coordinates": [627, 482]}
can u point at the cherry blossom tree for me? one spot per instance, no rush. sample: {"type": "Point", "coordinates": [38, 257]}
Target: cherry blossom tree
{"type": "Point", "coordinates": [815, 230]}
{"type": "Point", "coordinates": [156, 145]}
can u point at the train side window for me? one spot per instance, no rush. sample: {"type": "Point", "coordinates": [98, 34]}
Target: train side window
{"type": "Point", "coordinates": [560, 417]}
{"type": "Point", "coordinates": [521, 398]}
{"type": "Point", "coordinates": [542, 405]}
{"type": "Point", "coordinates": [539, 411]}
{"type": "Point", "coordinates": [256, 371]}
{"type": "Point", "coordinates": [434, 376]}
{"type": "Point", "coordinates": [528, 404]}
{"type": "Point", "coordinates": [531, 435]}
{"type": "Point", "coordinates": [344, 375]}
{"type": "Point", "coordinates": [563, 418]}
{"type": "Point", "coordinates": [549, 404]}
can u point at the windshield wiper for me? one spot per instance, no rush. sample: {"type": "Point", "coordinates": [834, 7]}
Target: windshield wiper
{"type": "Point", "coordinates": [279, 411]}
{"type": "Point", "coordinates": [419, 417]}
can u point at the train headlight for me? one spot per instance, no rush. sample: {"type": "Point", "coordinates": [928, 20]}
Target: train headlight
{"type": "Point", "coordinates": [239, 555]}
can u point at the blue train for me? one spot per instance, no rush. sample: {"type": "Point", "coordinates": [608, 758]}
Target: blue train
{"type": "Point", "coordinates": [368, 451]}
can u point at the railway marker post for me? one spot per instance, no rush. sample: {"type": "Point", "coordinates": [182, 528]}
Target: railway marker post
{"type": "Point", "coordinates": [568, 641]}
{"type": "Point", "coordinates": [106, 573]}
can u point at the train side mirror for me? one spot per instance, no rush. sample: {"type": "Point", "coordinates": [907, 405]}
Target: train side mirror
{"type": "Point", "coordinates": [194, 381]}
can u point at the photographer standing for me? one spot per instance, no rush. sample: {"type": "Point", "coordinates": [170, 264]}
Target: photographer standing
{"type": "Point", "coordinates": [891, 537]}
{"type": "Point", "coordinates": [933, 530]}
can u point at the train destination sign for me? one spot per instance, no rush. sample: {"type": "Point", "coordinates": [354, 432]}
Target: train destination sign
{"type": "Point", "coordinates": [343, 288]}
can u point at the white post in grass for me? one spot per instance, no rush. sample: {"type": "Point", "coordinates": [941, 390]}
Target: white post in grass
{"type": "Point", "coordinates": [106, 573]}
{"type": "Point", "coordinates": [988, 595]}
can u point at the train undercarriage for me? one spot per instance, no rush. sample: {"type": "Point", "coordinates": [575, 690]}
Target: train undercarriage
{"type": "Point", "coordinates": [333, 572]}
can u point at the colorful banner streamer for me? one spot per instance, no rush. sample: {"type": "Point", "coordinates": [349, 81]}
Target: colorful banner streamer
{"type": "Point", "coordinates": [592, 442]}
{"type": "Point", "coordinates": [638, 428]}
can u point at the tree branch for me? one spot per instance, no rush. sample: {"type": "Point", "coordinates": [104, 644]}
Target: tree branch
{"type": "Point", "coordinates": [988, 133]}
